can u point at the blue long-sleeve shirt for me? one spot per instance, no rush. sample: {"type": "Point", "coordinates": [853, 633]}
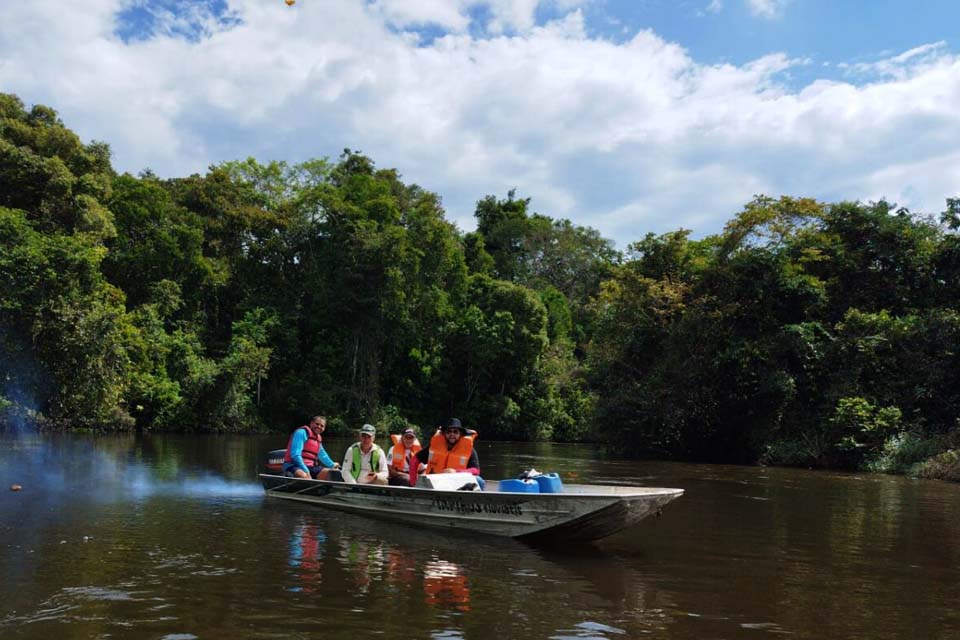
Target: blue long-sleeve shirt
{"type": "Point", "coordinates": [296, 451]}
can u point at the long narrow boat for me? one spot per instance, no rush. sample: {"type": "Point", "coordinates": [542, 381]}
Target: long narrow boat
{"type": "Point", "coordinates": [580, 512]}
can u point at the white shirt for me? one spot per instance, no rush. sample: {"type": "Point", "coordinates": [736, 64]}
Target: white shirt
{"type": "Point", "coordinates": [365, 466]}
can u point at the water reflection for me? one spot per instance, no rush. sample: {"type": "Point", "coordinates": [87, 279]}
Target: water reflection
{"type": "Point", "coordinates": [129, 537]}
{"type": "Point", "coordinates": [363, 560]}
{"type": "Point", "coordinates": [307, 546]}
{"type": "Point", "coordinates": [438, 581]}
{"type": "Point", "coordinates": [401, 567]}
{"type": "Point", "coordinates": [445, 583]}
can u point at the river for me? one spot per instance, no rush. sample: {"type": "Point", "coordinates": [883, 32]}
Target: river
{"type": "Point", "coordinates": [170, 536]}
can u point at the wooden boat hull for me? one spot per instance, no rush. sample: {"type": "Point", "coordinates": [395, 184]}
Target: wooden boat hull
{"type": "Point", "coordinates": [581, 512]}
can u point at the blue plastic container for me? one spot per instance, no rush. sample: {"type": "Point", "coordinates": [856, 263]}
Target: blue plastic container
{"type": "Point", "coordinates": [520, 486]}
{"type": "Point", "coordinates": [549, 483]}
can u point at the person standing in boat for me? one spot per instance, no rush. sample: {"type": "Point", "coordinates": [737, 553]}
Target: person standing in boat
{"type": "Point", "coordinates": [365, 462]}
{"type": "Point", "coordinates": [305, 457]}
{"type": "Point", "coordinates": [405, 446]}
{"type": "Point", "coordinates": [451, 451]}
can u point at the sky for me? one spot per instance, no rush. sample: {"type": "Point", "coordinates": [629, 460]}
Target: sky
{"type": "Point", "coordinates": [628, 116]}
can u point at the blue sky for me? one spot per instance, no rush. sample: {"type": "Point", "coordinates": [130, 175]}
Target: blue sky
{"type": "Point", "coordinates": [629, 116]}
{"type": "Point", "coordinates": [825, 31]}
{"type": "Point", "coordinates": [141, 21]}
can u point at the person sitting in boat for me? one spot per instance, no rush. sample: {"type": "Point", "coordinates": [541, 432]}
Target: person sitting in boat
{"type": "Point", "coordinates": [405, 446]}
{"type": "Point", "coordinates": [365, 462]}
{"type": "Point", "coordinates": [451, 451]}
{"type": "Point", "coordinates": [305, 456]}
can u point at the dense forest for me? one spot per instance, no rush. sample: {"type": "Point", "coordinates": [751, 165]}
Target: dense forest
{"type": "Point", "coordinates": [249, 297]}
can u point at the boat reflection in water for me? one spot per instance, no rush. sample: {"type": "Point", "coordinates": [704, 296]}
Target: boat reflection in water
{"type": "Point", "coordinates": [401, 567]}
{"type": "Point", "coordinates": [445, 583]}
{"type": "Point", "coordinates": [363, 560]}
{"type": "Point", "coordinates": [450, 584]}
{"type": "Point", "coordinates": [307, 542]}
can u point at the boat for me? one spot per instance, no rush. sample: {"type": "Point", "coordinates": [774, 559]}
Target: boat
{"type": "Point", "coordinates": [579, 512]}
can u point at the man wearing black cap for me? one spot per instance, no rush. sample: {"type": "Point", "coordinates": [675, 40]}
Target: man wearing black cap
{"type": "Point", "coordinates": [451, 451]}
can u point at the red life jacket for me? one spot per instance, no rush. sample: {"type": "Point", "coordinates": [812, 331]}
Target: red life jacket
{"type": "Point", "coordinates": [311, 448]}
{"type": "Point", "coordinates": [400, 455]}
{"type": "Point", "coordinates": [442, 458]}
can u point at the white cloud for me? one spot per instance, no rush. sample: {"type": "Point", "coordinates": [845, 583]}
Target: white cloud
{"type": "Point", "coordinates": [902, 65]}
{"type": "Point", "coordinates": [511, 15]}
{"type": "Point", "coordinates": [628, 137]}
{"type": "Point", "coordinates": [567, 5]}
{"type": "Point", "coordinates": [769, 9]}
{"type": "Point", "coordinates": [715, 6]}
{"type": "Point", "coordinates": [503, 16]}
{"type": "Point", "coordinates": [412, 13]}
{"type": "Point", "coordinates": [907, 182]}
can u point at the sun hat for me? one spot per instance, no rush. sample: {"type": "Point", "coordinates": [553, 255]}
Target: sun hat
{"type": "Point", "coordinates": [368, 428]}
{"type": "Point", "coordinates": [454, 423]}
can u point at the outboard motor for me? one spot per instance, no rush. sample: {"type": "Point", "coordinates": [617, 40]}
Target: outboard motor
{"type": "Point", "coordinates": [274, 464]}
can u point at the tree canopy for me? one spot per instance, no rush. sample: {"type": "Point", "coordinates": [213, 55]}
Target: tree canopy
{"type": "Point", "coordinates": [254, 294]}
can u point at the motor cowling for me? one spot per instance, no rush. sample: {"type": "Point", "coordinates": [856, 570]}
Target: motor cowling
{"type": "Point", "coordinates": [274, 462]}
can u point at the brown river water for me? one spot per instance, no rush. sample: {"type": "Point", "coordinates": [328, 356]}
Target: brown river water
{"type": "Point", "coordinates": [171, 537]}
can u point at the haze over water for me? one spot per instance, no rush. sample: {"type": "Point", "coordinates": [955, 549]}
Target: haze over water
{"type": "Point", "coordinates": [171, 537]}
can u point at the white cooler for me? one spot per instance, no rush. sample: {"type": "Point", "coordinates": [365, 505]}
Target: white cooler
{"type": "Point", "coordinates": [448, 482]}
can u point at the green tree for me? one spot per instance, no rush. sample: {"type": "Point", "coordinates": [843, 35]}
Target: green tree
{"type": "Point", "coordinates": [156, 241]}
{"type": "Point", "coordinates": [494, 353]}
{"type": "Point", "coordinates": [62, 327]}
{"type": "Point", "coordinates": [47, 172]}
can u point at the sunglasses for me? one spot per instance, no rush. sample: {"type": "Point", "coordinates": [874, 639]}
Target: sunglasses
{"type": "Point", "coordinates": [366, 435]}
{"type": "Point", "coordinates": [452, 430]}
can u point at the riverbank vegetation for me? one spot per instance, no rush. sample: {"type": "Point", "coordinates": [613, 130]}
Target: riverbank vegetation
{"type": "Point", "coordinates": [247, 297]}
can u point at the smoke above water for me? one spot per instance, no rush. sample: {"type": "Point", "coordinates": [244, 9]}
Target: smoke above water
{"type": "Point", "coordinates": [112, 467]}
{"type": "Point", "coordinates": [207, 486]}
{"type": "Point", "coordinates": [50, 467]}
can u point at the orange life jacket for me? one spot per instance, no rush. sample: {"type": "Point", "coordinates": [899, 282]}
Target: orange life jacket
{"type": "Point", "coordinates": [400, 455]}
{"type": "Point", "coordinates": [445, 584]}
{"type": "Point", "coordinates": [442, 458]}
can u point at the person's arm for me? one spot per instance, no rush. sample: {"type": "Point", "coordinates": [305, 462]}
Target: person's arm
{"type": "Point", "coordinates": [382, 471]}
{"type": "Point", "coordinates": [347, 467]}
{"type": "Point", "coordinates": [324, 458]}
{"type": "Point", "coordinates": [392, 471]}
{"type": "Point", "coordinates": [421, 458]}
{"type": "Point", "coordinates": [296, 449]}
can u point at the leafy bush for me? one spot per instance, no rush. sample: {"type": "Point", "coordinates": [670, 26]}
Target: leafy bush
{"type": "Point", "coordinates": [805, 450]}
{"type": "Point", "coordinates": [901, 452]}
{"type": "Point", "coordinates": [388, 419]}
{"type": "Point", "coordinates": [337, 426]}
{"type": "Point", "coordinates": [861, 430]}
{"type": "Point", "coordinates": [943, 466]}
